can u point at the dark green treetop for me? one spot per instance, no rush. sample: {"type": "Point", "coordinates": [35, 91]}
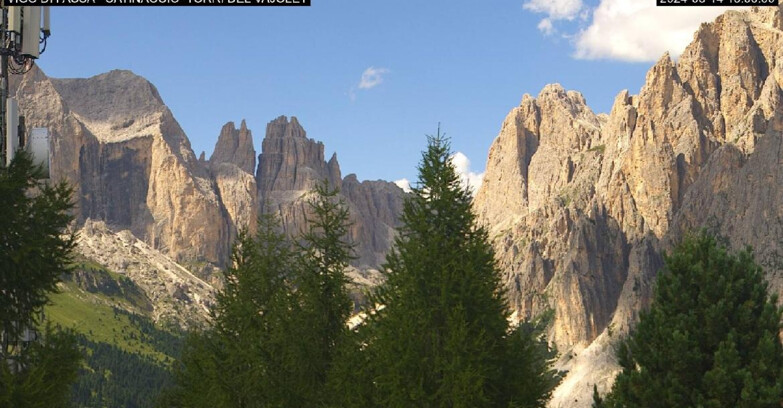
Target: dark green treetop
{"type": "Point", "coordinates": [324, 305]}
{"type": "Point", "coordinates": [709, 339]}
{"type": "Point", "coordinates": [279, 322]}
{"type": "Point", "coordinates": [35, 251]}
{"type": "Point", "coordinates": [439, 335]}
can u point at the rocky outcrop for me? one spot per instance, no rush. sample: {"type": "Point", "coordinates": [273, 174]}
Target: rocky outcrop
{"type": "Point", "coordinates": [232, 166]}
{"type": "Point", "coordinates": [129, 161]}
{"type": "Point", "coordinates": [580, 206]}
{"type": "Point", "coordinates": [375, 207]}
{"type": "Point", "coordinates": [291, 165]}
{"type": "Point", "coordinates": [136, 177]}
{"type": "Point", "coordinates": [177, 296]}
{"type": "Point", "coordinates": [237, 190]}
{"type": "Point", "coordinates": [235, 146]}
{"type": "Point", "coordinates": [558, 247]}
{"type": "Point", "coordinates": [132, 166]}
{"type": "Point", "coordinates": [291, 162]}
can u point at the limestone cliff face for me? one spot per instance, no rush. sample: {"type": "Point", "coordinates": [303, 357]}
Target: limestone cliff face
{"type": "Point", "coordinates": [375, 207]}
{"type": "Point", "coordinates": [232, 166]}
{"type": "Point", "coordinates": [580, 206]}
{"type": "Point", "coordinates": [129, 160]}
{"type": "Point", "coordinates": [557, 245]}
{"type": "Point", "coordinates": [150, 210]}
{"type": "Point", "coordinates": [291, 165]}
{"type": "Point", "coordinates": [235, 146]}
{"type": "Point", "coordinates": [133, 169]}
{"type": "Point", "coordinates": [290, 161]}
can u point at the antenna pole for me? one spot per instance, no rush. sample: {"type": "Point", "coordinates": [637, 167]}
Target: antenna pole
{"type": "Point", "coordinates": [4, 82]}
{"type": "Point", "coordinates": [15, 336]}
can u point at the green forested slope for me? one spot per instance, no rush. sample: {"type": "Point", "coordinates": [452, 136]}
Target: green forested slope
{"type": "Point", "coordinates": [127, 358]}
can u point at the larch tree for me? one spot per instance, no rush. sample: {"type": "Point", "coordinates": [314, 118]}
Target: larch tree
{"type": "Point", "coordinates": [439, 335]}
{"type": "Point", "coordinates": [710, 338]}
{"type": "Point", "coordinates": [35, 251]}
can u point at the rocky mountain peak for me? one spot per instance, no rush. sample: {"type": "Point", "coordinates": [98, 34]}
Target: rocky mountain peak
{"type": "Point", "coordinates": [133, 168]}
{"type": "Point", "coordinates": [289, 161]}
{"type": "Point", "coordinates": [581, 206]}
{"type": "Point", "coordinates": [115, 94]}
{"type": "Point", "coordinates": [281, 127]}
{"type": "Point", "coordinates": [232, 167]}
{"type": "Point", "coordinates": [333, 167]}
{"type": "Point", "coordinates": [235, 146]}
{"type": "Point", "coordinates": [290, 166]}
{"type": "Point", "coordinates": [129, 161]}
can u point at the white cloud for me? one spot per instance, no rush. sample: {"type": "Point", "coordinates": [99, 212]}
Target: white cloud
{"type": "Point", "coordinates": [404, 184]}
{"type": "Point", "coordinates": [625, 30]}
{"type": "Point", "coordinates": [545, 26]}
{"type": "Point", "coordinates": [372, 77]}
{"type": "Point", "coordinates": [555, 9]}
{"type": "Point", "coordinates": [638, 30]}
{"type": "Point", "coordinates": [469, 178]}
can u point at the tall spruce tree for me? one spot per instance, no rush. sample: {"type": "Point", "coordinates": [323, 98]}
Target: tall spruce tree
{"type": "Point", "coordinates": [42, 374]}
{"type": "Point", "coordinates": [439, 335]}
{"type": "Point", "coordinates": [322, 298]}
{"type": "Point", "coordinates": [710, 338]}
{"type": "Point", "coordinates": [35, 252]}
{"type": "Point", "coordinates": [240, 361]}
{"type": "Point", "coordinates": [279, 322]}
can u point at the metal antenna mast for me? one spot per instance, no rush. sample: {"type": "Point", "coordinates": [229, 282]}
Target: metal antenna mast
{"type": "Point", "coordinates": [23, 34]}
{"type": "Point", "coordinates": [21, 37]}
{"type": "Point", "coordinates": [3, 81]}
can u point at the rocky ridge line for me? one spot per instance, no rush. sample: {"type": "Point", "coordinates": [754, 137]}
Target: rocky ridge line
{"type": "Point", "coordinates": [580, 206]}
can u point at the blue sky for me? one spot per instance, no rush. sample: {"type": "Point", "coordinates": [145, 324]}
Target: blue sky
{"type": "Point", "coordinates": [462, 63]}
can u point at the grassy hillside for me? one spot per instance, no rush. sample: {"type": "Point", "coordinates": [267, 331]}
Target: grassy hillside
{"type": "Point", "coordinates": [104, 319]}
{"type": "Point", "coordinates": [127, 357]}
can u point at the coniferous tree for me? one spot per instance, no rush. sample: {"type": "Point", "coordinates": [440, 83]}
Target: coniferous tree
{"type": "Point", "coordinates": [439, 334]}
{"type": "Point", "coordinates": [238, 362]}
{"type": "Point", "coordinates": [198, 380]}
{"type": "Point", "coordinates": [598, 401]}
{"type": "Point", "coordinates": [322, 298]}
{"type": "Point", "coordinates": [528, 374]}
{"type": "Point", "coordinates": [709, 339]}
{"type": "Point", "coordinates": [280, 321]}
{"type": "Point", "coordinates": [350, 383]}
{"type": "Point", "coordinates": [46, 370]}
{"type": "Point", "coordinates": [252, 315]}
{"type": "Point", "coordinates": [34, 253]}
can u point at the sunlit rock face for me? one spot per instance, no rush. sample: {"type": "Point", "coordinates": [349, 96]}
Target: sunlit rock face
{"type": "Point", "coordinates": [232, 166]}
{"type": "Point", "coordinates": [291, 165]}
{"type": "Point", "coordinates": [132, 166]}
{"type": "Point", "coordinates": [130, 162]}
{"type": "Point", "coordinates": [141, 192]}
{"type": "Point", "coordinates": [581, 206]}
